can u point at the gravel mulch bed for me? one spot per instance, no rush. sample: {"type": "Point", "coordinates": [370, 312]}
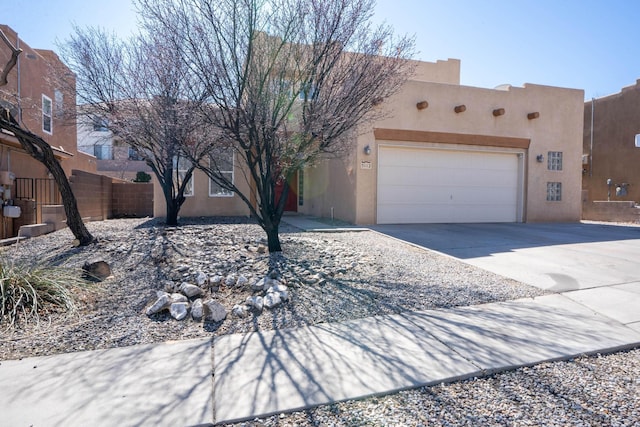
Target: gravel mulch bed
{"type": "Point", "coordinates": [602, 390]}
{"type": "Point", "coordinates": [332, 277]}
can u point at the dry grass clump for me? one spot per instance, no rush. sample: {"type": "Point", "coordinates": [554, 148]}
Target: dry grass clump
{"type": "Point", "coordinates": [29, 290]}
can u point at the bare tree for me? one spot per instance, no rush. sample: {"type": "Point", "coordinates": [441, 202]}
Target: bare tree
{"type": "Point", "coordinates": [40, 150]}
{"type": "Point", "coordinates": [148, 99]}
{"type": "Point", "coordinates": [291, 81]}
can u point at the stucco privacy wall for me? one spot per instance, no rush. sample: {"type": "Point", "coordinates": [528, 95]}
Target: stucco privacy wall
{"type": "Point", "coordinates": [616, 122]}
{"type": "Point", "coordinates": [329, 189]}
{"type": "Point", "coordinates": [558, 127]}
{"type": "Point", "coordinates": [132, 199]}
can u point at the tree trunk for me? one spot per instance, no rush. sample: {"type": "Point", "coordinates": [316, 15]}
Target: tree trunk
{"type": "Point", "coordinates": [40, 150]}
{"type": "Point", "coordinates": [74, 220]}
{"type": "Point", "coordinates": [172, 212]}
{"type": "Point", "coordinates": [273, 239]}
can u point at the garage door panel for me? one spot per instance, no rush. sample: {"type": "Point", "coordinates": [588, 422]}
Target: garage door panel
{"type": "Point", "coordinates": [433, 194]}
{"type": "Point", "coordinates": [429, 185]}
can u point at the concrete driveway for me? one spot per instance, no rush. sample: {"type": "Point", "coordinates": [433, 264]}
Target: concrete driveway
{"type": "Point", "coordinates": [556, 257]}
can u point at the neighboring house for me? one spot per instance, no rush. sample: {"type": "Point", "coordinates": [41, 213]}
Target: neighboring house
{"type": "Point", "coordinates": [445, 153]}
{"type": "Point", "coordinates": [611, 155]}
{"type": "Point", "coordinates": [114, 158]}
{"type": "Point", "coordinates": [41, 103]}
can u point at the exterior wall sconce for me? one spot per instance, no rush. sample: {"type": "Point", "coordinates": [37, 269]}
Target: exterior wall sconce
{"type": "Point", "coordinates": [498, 112]}
{"type": "Point", "coordinates": [422, 105]}
{"type": "Point", "coordinates": [532, 116]}
{"type": "Point", "coordinates": [460, 108]}
{"type": "Point", "coordinates": [367, 149]}
{"type": "Point", "coordinates": [540, 158]}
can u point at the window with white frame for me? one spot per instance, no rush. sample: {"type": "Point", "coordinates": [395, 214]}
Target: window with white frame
{"type": "Point", "coordinates": [554, 160]}
{"type": "Point", "coordinates": [47, 108]}
{"type": "Point", "coordinates": [222, 161]}
{"type": "Point", "coordinates": [182, 166]}
{"type": "Point", "coordinates": [554, 191]}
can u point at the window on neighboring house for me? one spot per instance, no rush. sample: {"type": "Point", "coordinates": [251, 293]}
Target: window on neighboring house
{"type": "Point", "coordinates": [307, 92]}
{"type": "Point", "coordinates": [183, 167]}
{"type": "Point", "coordinates": [103, 152]}
{"type": "Point", "coordinates": [223, 161]}
{"type": "Point", "coordinates": [47, 108]}
{"type": "Point", "coordinates": [100, 124]}
{"type": "Point", "coordinates": [554, 191]}
{"type": "Point", "coordinates": [134, 155]}
{"type": "Point", "coordinates": [554, 160]}
{"type": "Point", "coordinates": [59, 101]}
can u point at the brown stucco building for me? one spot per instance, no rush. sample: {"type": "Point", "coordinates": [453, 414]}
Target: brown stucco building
{"type": "Point", "coordinates": [612, 149]}
{"type": "Point", "coordinates": [41, 95]}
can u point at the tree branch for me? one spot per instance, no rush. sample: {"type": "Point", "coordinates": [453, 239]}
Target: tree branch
{"type": "Point", "coordinates": [12, 61]}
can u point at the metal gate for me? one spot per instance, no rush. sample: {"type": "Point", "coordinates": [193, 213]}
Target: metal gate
{"type": "Point", "coordinates": [42, 191]}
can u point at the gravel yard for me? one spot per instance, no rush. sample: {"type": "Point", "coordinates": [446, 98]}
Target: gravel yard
{"type": "Point", "coordinates": [331, 277]}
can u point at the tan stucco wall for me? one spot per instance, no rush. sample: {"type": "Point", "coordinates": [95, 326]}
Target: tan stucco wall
{"type": "Point", "coordinates": [200, 204]}
{"type": "Point", "coordinates": [330, 184]}
{"type": "Point", "coordinates": [447, 72]}
{"type": "Point", "coordinates": [558, 128]}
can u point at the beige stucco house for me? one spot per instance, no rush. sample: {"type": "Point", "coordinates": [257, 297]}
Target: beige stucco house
{"type": "Point", "coordinates": [444, 153]}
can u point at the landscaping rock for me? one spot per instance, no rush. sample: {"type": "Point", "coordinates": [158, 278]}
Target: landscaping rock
{"type": "Point", "coordinates": [214, 311]}
{"type": "Point", "coordinates": [272, 300]}
{"type": "Point", "coordinates": [201, 278]}
{"type": "Point", "coordinates": [281, 290]}
{"type": "Point", "coordinates": [231, 280]}
{"type": "Point", "coordinates": [240, 310]}
{"type": "Point", "coordinates": [242, 281]}
{"type": "Point", "coordinates": [197, 310]}
{"type": "Point", "coordinates": [162, 302]}
{"type": "Point", "coordinates": [179, 310]}
{"type": "Point", "coordinates": [256, 302]}
{"type": "Point", "coordinates": [259, 285]}
{"type": "Point", "coordinates": [215, 280]}
{"type": "Point", "coordinates": [176, 297]}
{"type": "Point", "coordinates": [96, 270]}
{"type": "Point", "coordinates": [191, 290]}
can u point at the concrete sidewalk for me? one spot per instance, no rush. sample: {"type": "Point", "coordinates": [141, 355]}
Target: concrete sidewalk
{"type": "Point", "coordinates": [166, 384]}
{"type": "Point", "coordinates": [264, 373]}
{"type": "Point", "coordinates": [319, 225]}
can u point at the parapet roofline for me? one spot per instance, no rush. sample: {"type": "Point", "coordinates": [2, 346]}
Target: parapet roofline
{"type": "Point", "coordinates": [9, 138]}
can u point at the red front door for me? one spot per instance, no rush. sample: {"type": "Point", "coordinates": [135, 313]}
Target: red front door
{"type": "Point", "coordinates": [291, 205]}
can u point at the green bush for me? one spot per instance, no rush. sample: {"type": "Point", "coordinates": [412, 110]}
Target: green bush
{"type": "Point", "coordinates": [27, 291]}
{"type": "Point", "coordinates": [142, 176]}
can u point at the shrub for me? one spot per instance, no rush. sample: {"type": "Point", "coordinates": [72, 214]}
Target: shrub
{"type": "Point", "coordinates": [142, 176]}
{"type": "Point", "coordinates": [27, 291]}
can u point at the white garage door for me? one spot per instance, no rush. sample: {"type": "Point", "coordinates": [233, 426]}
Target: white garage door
{"type": "Point", "coordinates": [418, 185]}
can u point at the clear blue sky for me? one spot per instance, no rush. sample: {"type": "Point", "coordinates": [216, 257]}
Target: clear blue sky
{"type": "Point", "coordinates": [590, 45]}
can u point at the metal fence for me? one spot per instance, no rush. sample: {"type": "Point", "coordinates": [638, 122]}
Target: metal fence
{"type": "Point", "coordinates": [42, 191]}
